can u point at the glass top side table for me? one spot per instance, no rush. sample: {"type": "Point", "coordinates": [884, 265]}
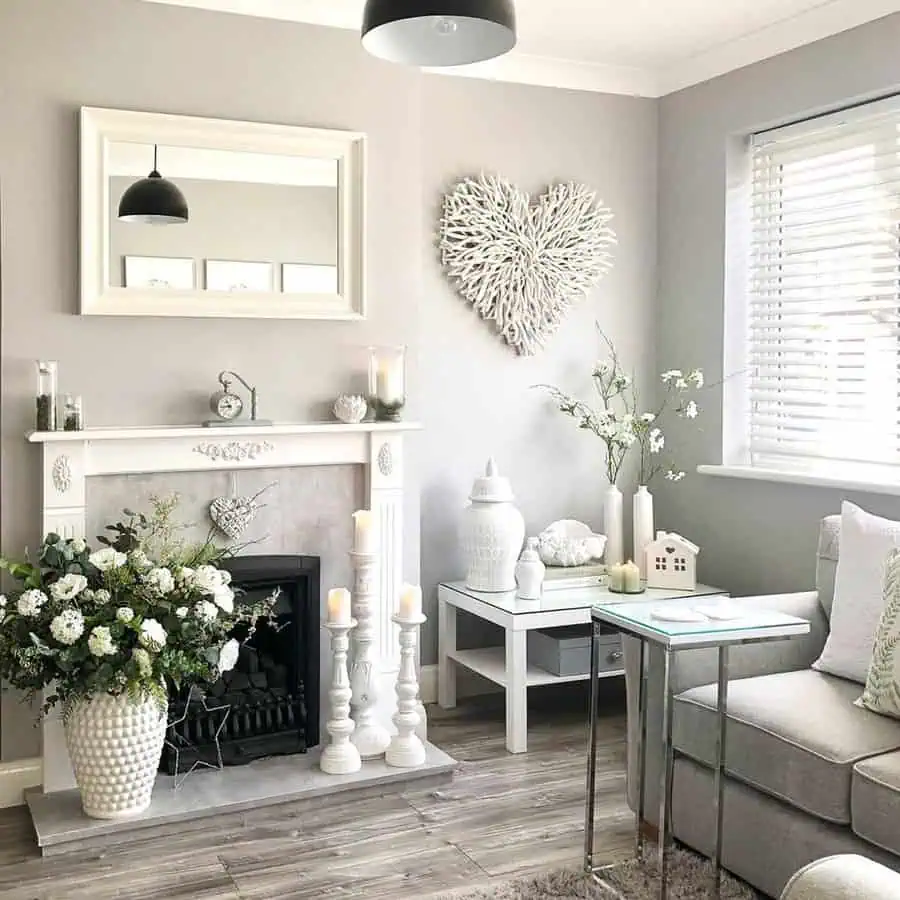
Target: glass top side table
{"type": "Point", "coordinates": [719, 624]}
{"type": "Point", "coordinates": [508, 665]}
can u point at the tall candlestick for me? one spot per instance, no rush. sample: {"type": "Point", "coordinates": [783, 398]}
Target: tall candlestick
{"type": "Point", "coordinates": [410, 606]}
{"type": "Point", "coordinates": [370, 737]}
{"type": "Point", "coordinates": [340, 757]}
{"type": "Point", "coordinates": [406, 749]}
{"type": "Point", "coordinates": [339, 606]}
{"type": "Point", "coordinates": [364, 535]}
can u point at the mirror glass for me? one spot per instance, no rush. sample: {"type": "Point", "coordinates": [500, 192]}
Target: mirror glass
{"type": "Point", "coordinates": [259, 223]}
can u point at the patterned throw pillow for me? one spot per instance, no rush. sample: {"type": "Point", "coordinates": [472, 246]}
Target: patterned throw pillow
{"type": "Point", "coordinates": [882, 692]}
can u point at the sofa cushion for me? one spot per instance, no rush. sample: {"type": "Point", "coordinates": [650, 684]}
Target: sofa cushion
{"type": "Point", "coordinates": [866, 541]}
{"type": "Point", "coordinates": [795, 735]}
{"type": "Point", "coordinates": [875, 801]}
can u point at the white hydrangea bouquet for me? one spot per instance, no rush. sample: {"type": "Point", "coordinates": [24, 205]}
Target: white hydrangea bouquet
{"type": "Point", "coordinates": [116, 627]}
{"type": "Point", "coordinates": [619, 421]}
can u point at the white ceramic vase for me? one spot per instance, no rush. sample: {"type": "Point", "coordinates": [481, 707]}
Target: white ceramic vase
{"type": "Point", "coordinates": [642, 527]}
{"type": "Point", "coordinates": [115, 744]}
{"type": "Point", "coordinates": [530, 571]}
{"type": "Point", "coordinates": [613, 527]}
{"type": "Point", "coordinates": [491, 533]}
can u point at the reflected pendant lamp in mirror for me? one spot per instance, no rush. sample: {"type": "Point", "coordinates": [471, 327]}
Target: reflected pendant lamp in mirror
{"type": "Point", "coordinates": [153, 200]}
{"type": "Point", "coordinates": [438, 33]}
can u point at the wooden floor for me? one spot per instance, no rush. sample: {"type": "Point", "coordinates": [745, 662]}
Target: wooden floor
{"type": "Point", "coordinates": [502, 816]}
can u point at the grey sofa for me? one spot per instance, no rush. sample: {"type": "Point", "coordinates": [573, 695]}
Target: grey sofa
{"type": "Point", "coordinates": [809, 774]}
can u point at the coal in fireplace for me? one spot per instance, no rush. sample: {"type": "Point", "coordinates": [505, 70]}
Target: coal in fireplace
{"type": "Point", "coordinates": [272, 694]}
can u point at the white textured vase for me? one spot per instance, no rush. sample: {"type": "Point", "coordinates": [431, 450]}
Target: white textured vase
{"type": "Point", "coordinates": [530, 572]}
{"type": "Point", "coordinates": [115, 744]}
{"type": "Point", "coordinates": [613, 527]}
{"type": "Point", "coordinates": [642, 526]}
{"type": "Point", "coordinates": [491, 533]}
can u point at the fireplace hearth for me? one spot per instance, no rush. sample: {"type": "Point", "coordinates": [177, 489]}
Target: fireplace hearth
{"type": "Point", "coordinates": [268, 705]}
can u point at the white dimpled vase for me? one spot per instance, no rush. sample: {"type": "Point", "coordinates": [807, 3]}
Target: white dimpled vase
{"type": "Point", "coordinates": [115, 745]}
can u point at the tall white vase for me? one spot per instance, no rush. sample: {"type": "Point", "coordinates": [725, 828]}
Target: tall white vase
{"type": "Point", "coordinates": [642, 526]}
{"type": "Point", "coordinates": [613, 527]}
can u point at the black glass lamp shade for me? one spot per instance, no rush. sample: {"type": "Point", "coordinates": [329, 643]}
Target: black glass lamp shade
{"type": "Point", "coordinates": [436, 34]}
{"type": "Point", "coordinates": [153, 200]}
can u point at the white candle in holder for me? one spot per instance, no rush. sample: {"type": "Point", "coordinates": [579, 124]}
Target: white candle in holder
{"type": "Point", "coordinates": [410, 602]}
{"type": "Point", "coordinates": [339, 606]}
{"type": "Point", "coordinates": [389, 380]}
{"type": "Point", "coordinates": [364, 531]}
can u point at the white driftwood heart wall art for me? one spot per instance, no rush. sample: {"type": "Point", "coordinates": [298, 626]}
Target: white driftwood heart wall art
{"type": "Point", "coordinates": [523, 263]}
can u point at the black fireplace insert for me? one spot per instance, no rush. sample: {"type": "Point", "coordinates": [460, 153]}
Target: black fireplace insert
{"type": "Point", "coordinates": [270, 700]}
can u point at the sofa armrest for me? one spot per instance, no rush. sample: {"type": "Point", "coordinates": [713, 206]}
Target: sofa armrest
{"type": "Point", "coordinates": [691, 668]}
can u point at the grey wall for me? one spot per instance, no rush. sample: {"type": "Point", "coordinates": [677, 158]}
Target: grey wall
{"type": "Point", "coordinates": [478, 396]}
{"type": "Point", "coordinates": [469, 390]}
{"type": "Point", "coordinates": [54, 58]}
{"type": "Point", "coordinates": [232, 220]}
{"type": "Point", "coordinates": [754, 536]}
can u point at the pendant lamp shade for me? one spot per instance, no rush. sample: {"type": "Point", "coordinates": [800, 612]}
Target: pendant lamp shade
{"type": "Point", "coordinates": [438, 33]}
{"type": "Point", "coordinates": [153, 200]}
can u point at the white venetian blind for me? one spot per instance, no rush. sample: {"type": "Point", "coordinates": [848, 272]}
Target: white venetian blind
{"type": "Point", "coordinates": [824, 283]}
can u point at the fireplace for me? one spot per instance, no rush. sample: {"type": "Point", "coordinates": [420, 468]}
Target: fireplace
{"type": "Point", "coordinates": [268, 705]}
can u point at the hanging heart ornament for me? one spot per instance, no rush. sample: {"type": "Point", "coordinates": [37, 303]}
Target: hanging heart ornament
{"type": "Point", "coordinates": [232, 515]}
{"type": "Point", "coordinates": [522, 263]}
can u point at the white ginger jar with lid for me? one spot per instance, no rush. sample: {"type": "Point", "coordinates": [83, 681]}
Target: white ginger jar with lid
{"type": "Point", "coordinates": [491, 533]}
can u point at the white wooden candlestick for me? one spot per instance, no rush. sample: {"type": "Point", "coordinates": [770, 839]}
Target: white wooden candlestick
{"type": "Point", "coordinates": [340, 757]}
{"type": "Point", "coordinates": [370, 737]}
{"type": "Point", "coordinates": [406, 749]}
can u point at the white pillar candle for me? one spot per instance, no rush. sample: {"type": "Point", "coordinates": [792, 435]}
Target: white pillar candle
{"type": "Point", "coordinates": [339, 606]}
{"type": "Point", "coordinates": [614, 578]}
{"type": "Point", "coordinates": [389, 380]}
{"type": "Point", "coordinates": [631, 578]}
{"type": "Point", "coordinates": [364, 531]}
{"type": "Point", "coordinates": [410, 602]}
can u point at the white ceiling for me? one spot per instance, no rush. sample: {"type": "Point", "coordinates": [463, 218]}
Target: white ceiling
{"type": "Point", "coordinates": [644, 47]}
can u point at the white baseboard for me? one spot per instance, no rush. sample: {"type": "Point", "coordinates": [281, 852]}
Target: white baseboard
{"type": "Point", "coordinates": [468, 684]}
{"type": "Point", "coordinates": [16, 777]}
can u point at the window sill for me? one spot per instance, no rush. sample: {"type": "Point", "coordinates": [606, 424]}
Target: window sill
{"type": "Point", "coordinates": [844, 481]}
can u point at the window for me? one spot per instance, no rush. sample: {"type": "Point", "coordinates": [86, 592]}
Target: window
{"type": "Point", "coordinates": [822, 349]}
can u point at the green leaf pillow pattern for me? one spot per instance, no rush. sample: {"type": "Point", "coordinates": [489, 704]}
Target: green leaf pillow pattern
{"type": "Point", "coordinates": [882, 691]}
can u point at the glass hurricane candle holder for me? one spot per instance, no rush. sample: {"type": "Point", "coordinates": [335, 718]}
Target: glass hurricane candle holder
{"type": "Point", "coordinates": [45, 413]}
{"type": "Point", "coordinates": [387, 382]}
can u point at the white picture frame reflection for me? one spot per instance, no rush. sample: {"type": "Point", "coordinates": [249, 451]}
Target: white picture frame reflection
{"type": "Point", "coordinates": [237, 276]}
{"type": "Point", "coordinates": [160, 273]}
{"type": "Point", "coordinates": [308, 278]}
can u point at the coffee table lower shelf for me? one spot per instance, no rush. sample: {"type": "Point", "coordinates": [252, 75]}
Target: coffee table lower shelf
{"type": "Point", "coordinates": [490, 663]}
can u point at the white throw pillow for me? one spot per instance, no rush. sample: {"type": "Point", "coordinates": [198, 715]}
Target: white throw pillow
{"type": "Point", "coordinates": [882, 693]}
{"type": "Point", "coordinates": [866, 543]}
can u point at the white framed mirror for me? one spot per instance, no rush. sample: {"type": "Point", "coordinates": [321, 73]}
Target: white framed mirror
{"type": "Point", "coordinates": [274, 225]}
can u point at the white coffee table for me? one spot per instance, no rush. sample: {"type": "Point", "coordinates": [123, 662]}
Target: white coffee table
{"type": "Point", "coordinates": [508, 665]}
{"type": "Point", "coordinates": [751, 626]}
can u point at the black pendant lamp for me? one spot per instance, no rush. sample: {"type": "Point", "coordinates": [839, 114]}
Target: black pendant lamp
{"type": "Point", "coordinates": [437, 33]}
{"type": "Point", "coordinates": [153, 200]}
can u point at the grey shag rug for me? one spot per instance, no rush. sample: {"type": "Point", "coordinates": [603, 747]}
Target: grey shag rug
{"type": "Point", "coordinates": [689, 878]}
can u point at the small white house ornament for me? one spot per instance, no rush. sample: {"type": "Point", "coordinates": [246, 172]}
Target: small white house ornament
{"type": "Point", "coordinates": [672, 562]}
{"type": "Point", "coordinates": [522, 262]}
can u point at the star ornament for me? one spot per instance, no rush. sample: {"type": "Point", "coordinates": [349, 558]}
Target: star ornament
{"type": "Point", "coordinates": [177, 742]}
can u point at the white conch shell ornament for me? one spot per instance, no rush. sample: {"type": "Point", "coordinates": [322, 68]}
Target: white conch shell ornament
{"type": "Point", "coordinates": [350, 408]}
{"type": "Point", "coordinates": [570, 543]}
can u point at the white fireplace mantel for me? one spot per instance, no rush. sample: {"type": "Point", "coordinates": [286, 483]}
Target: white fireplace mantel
{"type": "Point", "coordinates": [69, 458]}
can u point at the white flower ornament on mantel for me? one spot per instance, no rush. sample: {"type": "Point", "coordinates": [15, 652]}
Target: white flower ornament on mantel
{"type": "Point", "coordinates": [524, 263]}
